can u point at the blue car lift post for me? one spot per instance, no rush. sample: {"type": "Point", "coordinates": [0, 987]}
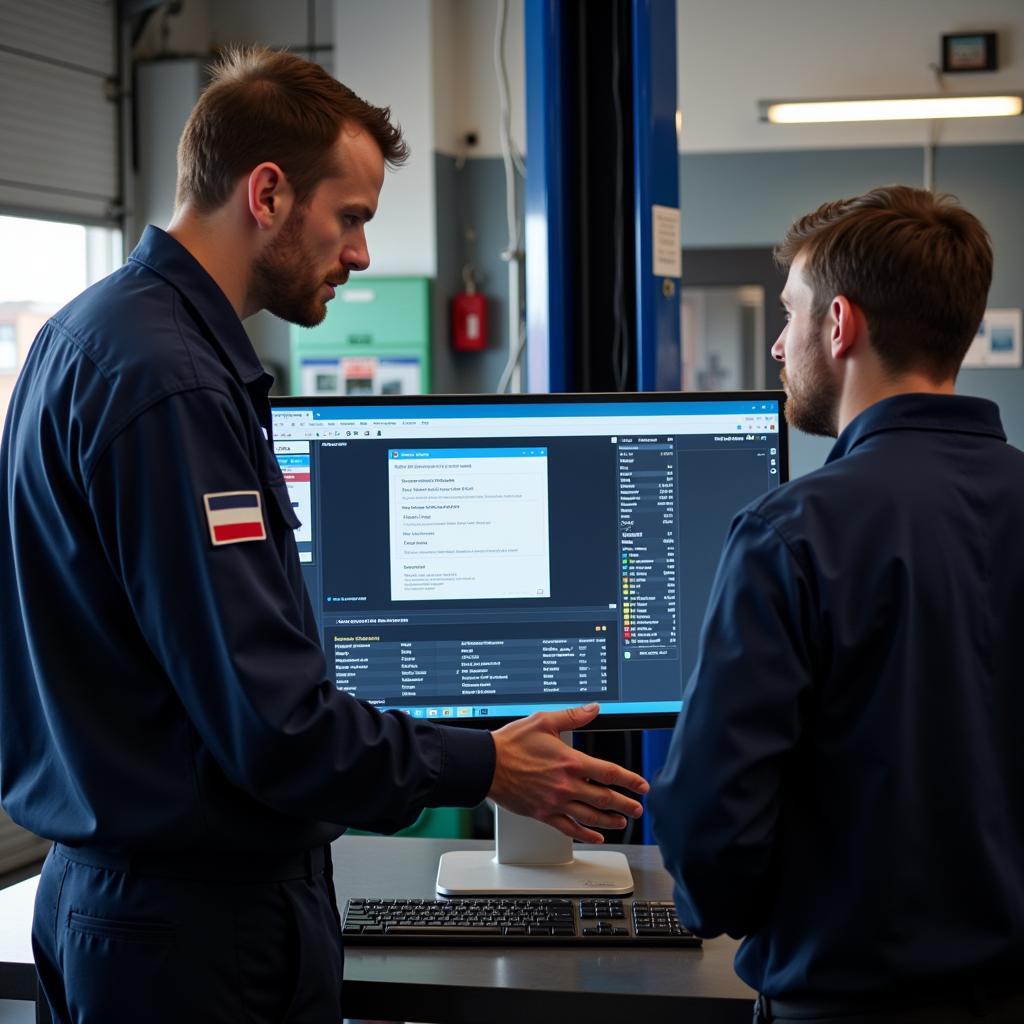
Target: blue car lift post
{"type": "Point", "coordinates": [602, 172]}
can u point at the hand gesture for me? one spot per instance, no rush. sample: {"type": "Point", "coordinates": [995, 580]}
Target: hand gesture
{"type": "Point", "coordinates": [539, 776]}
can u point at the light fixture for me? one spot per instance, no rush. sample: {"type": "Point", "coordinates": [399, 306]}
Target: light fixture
{"type": "Point", "coordinates": [905, 108]}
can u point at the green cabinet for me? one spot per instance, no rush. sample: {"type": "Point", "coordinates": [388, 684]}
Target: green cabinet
{"type": "Point", "coordinates": [437, 823]}
{"type": "Point", "coordinates": [375, 340]}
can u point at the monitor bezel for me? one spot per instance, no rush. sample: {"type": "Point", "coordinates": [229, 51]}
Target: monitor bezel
{"type": "Point", "coordinates": [603, 722]}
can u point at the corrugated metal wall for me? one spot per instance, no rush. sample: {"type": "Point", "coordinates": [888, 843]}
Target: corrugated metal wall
{"type": "Point", "coordinates": [58, 118]}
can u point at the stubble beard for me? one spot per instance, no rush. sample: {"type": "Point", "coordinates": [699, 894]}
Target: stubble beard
{"type": "Point", "coordinates": [286, 280]}
{"type": "Point", "coordinates": [812, 404]}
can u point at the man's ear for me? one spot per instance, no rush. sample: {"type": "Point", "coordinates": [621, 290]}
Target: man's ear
{"type": "Point", "coordinates": [847, 323]}
{"type": "Point", "coordinates": [270, 196]}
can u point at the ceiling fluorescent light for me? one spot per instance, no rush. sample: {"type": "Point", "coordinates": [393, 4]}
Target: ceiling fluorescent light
{"type": "Point", "coordinates": [895, 109]}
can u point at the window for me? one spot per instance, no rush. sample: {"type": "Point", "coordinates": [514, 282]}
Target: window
{"type": "Point", "coordinates": [723, 337]}
{"type": "Point", "coordinates": [43, 264]}
{"type": "Point", "coordinates": [730, 318]}
{"type": "Point", "coordinates": [8, 348]}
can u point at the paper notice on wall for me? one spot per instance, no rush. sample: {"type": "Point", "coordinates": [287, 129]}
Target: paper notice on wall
{"type": "Point", "coordinates": [998, 341]}
{"type": "Point", "coordinates": [667, 253]}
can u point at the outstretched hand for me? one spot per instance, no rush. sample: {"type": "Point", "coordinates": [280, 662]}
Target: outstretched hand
{"type": "Point", "coordinates": [539, 776]}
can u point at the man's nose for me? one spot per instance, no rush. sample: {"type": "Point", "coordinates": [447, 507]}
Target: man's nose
{"type": "Point", "coordinates": [356, 258]}
{"type": "Point", "coordinates": [356, 255]}
{"type": "Point", "coordinates": [779, 349]}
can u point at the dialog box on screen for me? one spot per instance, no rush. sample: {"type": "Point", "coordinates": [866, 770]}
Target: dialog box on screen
{"type": "Point", "coordinates": [468, 523]}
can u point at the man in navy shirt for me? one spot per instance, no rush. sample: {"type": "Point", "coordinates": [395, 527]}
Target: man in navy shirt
{"type": "Point", "coordinates": [166, 714]}
{"type": "Point", "coordinates": [845, 786]}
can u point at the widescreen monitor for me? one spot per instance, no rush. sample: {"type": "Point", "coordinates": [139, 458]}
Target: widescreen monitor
{"type": "Point", "coordinates": [472, 559]}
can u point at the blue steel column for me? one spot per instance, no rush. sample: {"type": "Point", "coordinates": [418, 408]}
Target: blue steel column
{"type": "Point", "coordinates": [547, 279]}
{"type": "Point", "coordinates": [656, 173]}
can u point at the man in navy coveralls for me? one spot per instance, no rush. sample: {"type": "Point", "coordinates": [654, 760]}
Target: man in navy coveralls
{"type": "Point", "coordinates": [845, 787]}
{"type": "Point", "coordinates": [166, 714]}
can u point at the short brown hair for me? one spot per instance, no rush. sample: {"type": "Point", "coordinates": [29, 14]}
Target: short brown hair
{"type": "Point", "coordinates": [265, 104]}
{"type": "Point", "coordinates": [918, 264]}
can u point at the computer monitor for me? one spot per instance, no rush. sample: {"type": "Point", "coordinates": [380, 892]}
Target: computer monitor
{"type": "Point", "coordinates": [472, 559]}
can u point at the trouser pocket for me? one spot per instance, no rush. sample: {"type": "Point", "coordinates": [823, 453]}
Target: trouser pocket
{"type": "Point", "coordinates": [121, 931]}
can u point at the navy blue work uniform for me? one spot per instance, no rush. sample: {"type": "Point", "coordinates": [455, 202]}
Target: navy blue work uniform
{"type": "Point", "coordinates": [845, 786]}
{"type": "Point", "coordinates": [166, 713]}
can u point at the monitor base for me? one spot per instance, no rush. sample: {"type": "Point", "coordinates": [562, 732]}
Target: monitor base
{"type": "Point", "coordinates": [589, 873]}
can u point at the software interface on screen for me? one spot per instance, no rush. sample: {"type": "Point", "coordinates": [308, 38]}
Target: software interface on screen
{"type": "Point", "coordinates": [473, 560]}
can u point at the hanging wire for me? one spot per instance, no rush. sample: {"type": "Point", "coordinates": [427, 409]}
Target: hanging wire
{"type": "Point", "coordinates": [513, 254]}
{"type": "Point", "coordinates": [505, 125]}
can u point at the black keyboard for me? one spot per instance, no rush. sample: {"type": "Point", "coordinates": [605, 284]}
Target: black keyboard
{"type": "Point", "coordinates": [513, 921]}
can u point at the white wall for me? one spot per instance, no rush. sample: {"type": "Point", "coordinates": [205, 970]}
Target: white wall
{"type": "Point", "coordinates": [477, 102]}
{"type": "Point", "coordinates": [433, 61]}
{"type": "Point", "coordinates": [734, 52]}
{"type": "Point", "coordinates": [383, 49]}
{"type": "Point", "coordinates": [271, 23]}
{"type": "Point", "coordinates": [165, 92]}
{"type": "Point", "coordinates": [448, 33]}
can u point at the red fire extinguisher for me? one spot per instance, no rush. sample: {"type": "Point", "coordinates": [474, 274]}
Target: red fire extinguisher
{"type": "Point", "coordinates": [469, 318]}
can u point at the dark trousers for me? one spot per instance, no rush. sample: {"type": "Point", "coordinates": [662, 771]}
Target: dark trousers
{"type": "Point", "coordinates": [998, 1004]}
{"type": "Point", "coordinates": [127, 939]}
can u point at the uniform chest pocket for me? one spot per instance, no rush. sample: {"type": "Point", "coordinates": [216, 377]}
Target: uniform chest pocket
{"type": "Point", "coordinates": [279, 502]}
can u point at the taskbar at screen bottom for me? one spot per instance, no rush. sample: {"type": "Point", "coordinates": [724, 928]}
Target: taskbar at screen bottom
{"type": "Point", "coordinates": [460, 712]}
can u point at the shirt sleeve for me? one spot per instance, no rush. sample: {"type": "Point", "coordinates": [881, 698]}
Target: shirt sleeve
{"type": "Point", "coordinates": [227, 632]}
{"type": "Point", "coordinates": [715, 805]}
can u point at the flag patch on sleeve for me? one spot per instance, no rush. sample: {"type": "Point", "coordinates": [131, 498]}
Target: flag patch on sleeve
{"type": "Point", "coordinates": [235, 516]}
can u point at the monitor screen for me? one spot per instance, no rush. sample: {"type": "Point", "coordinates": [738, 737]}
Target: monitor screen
{"type": "Point", "coordinates": [472, 559]}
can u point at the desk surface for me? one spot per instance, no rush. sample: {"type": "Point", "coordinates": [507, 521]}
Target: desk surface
{"type": "Point", "coordinates": [460, 984]}
{"type": "Point", "coordinates": [464, 984]}
{"type": "Point", "coordinates": [17, 971]}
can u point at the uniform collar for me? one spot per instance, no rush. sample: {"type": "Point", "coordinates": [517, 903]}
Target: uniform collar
{"type": "Point", "coordinates": [167, 257]}
{"type": "Point", "coordinates": [947, 413]}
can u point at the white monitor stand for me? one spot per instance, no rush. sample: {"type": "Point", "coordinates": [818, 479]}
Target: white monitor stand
{"type": "Point", "coordinates": [530, 858]}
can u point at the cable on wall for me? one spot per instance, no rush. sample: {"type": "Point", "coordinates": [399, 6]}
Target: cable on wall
{"type": "Point", "coordinates": [511, 375]}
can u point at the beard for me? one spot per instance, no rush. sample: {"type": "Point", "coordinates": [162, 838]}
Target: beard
{"type": "Point", "coordinates": [286, 279]}
{"type": "Point", "coordinates": [813, 396]}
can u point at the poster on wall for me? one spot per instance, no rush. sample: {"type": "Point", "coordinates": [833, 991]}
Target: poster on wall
{"type": "Point", "coordinates": [998, 341]}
